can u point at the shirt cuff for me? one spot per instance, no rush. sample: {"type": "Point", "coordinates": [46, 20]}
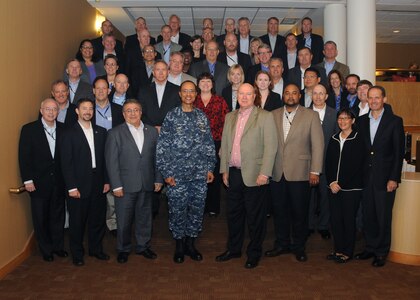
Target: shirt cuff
{"type": "Point", "coordinates": [315, 173]}
{"type": "Point", "coordinates": [117, 189]}
{"type": "Point", "coordinates": [28, 181]}
{"type": "Point", "coordinates": [72, 190]}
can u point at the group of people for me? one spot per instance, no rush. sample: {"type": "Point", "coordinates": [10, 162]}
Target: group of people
{"type": "Point", "coordinates": [286, 128]}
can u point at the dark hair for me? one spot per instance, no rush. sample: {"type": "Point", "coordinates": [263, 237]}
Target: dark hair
{"type": "Point", "coordinates": [378, 87]}
{"type": "Point", "coordinates": [257, 101]}
{"type": "Point", "coordinates": [132, 101]}
{"type": "Point", "coordinates": [314, 70]}
{"type": "Point", "coordinates": [303, 48]}
{"type": "Point", "coordinates": [109, 56]}
{"type": "Point", "coordinates": [353, 75]}
{"type": "Point", "coordinates": [99, 78]}
{"type": "Point", "coordinates": [289, 34]}
{"type": "Point", "coordinates": [189, 81]}
{"type": "Point", "coordinates": [206, 75]}
{"type": "Point", "coordinates": [364, 82]}
{"type": "Point", "coordinates": [346, 111]}
{"type": "Point", "coordinates": [273, 18]}
{"type": "Point", "coordinates": [196, 37]}
{"type": "Point", "coordinates": [83, 100]}
{"type": "Point", "coordinates": [340, 76]}
{"type": "Point", "coordinates": [79, 55]}
{"type": "Point", "coordinates": [306, 18]}
{"type": "Point", "coordinates": [57, 82]}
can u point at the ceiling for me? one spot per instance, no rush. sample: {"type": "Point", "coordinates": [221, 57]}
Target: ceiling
{"type": "Point", "coordinates": [402, 15]}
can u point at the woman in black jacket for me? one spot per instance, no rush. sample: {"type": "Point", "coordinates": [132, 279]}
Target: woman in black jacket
{"type": "Point", "coordinates": [344, 170]}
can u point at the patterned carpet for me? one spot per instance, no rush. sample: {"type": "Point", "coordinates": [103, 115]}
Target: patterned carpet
{"type": "Point", "coordinates": [275, 278]}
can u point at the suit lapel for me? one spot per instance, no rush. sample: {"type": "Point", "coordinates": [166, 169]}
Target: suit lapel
{"type": "Point", "coordinates": [281, 130]}
{"type": "Point", "coordinates": [251, 120]}
{"type": "Point", "coordinates": [382, 125]}
{"type": "Point", "coordinates": [43, 138]}
{"type": "Point", "coordinates": [129, 137]}
{"type": "Point", "coordinates": [296, 120]}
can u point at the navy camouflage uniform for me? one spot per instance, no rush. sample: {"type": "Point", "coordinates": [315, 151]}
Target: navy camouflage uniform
{"type": "Point", "coordinates": [185, 151]}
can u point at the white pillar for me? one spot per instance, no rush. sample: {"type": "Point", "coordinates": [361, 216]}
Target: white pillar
{"type": "Point", "coordinates": [335, 28]}
{"type": "Point", "coordinates": [361, 38]}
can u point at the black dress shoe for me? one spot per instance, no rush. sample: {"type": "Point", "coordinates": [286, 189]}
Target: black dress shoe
{"type": "Point", "coordinates": [78, 262]}
{"type": "Point", "coordinates": [148, 253]}
{"type": "Point", "coordinates": [100, 255]}
{"type": "Point", "coordinates": [122, 257]}
{"type": "Point", "coordinates": [379, 261]}
{"type": "Point", "coordinates": [251, 263]}
{"type": "Point", "coordinates": [227, 255]}
{"type": "Point", "coordinates": [301, 256]}
{"type": "Point", "coordinates": [325, 234]}
{"type": "Point", "coordinates": [48, 257]}
{"type": "Point", "coordinates": [364, 255]}
{"type": "Point", "coordinates": [179, 257]}
{"type": "Point", "coordinates": [61, 253]}
{"type": "Point", "coordinates": [332, 256]}
{"type": "Point", "coordinates": [276, 252]}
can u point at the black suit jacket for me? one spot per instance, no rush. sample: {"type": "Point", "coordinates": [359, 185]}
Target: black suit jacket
{"type": "Point", "coordinates": [70, 119]}
{"type": "Point", "coordinates": [76, 160]}
{"type": "Point", "coordinates": [385, 155]}
{"type": "Point", "coordinates": [286, 64]}
{"type": "Point", "coordinates": [295, 74]}
{"type": "Point", "coordinates": [251, 73]}
{"type": "Point", "coordinates": [227, 95]}
{"type": "Point", "coordinates": [280, 47]}
{"type": "Point", "coordinates": [116, 114]}
{"type": "Point", "coordinates": [128, 95]}
{"type": "Point", "coordinates": [238, 36]}
{"type": "Point", "coordinates": [317, 46]}
{"type": "Point", "coordinates": [131, 41]}
{"type": "Point", "coordinates": [273, 101]}
{"type": "Point", "coordinates": [244, 60]}
{"type": "Point", "coordinates": [153, 114]}
{"type": "Point", "coordinates": [98, 48]}
{"type": "Point", "coordinates": [35, 160]}
{"type": "Point", "coordinates": [139, 78]}
{"type": "Point", "coordinates": [343, 99]}
{"type": "Point", "coordinates": [184, 40]}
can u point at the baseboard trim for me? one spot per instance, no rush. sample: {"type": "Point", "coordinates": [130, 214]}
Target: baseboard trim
{"type": "Point", "coordinates": [402, 258]}
{"type": "Point", "coordinates": [20, 258]}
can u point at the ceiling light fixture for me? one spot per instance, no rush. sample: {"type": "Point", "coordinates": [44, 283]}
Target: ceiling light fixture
{"type": "Point", "coordinates": [396, 31]}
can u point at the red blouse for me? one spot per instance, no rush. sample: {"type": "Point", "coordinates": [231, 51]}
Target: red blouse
{"type": "Point", "coordinates": [215, 111]}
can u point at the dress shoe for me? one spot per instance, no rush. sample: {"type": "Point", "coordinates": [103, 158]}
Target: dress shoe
{"type": "Point", "coordinates": [122, 257]}
{"type": "Point", "coordinates": [301, 256]}
{"type": "Point", "coordinates": [379, 261]}
{"type": "Point", "coordinates": [213, 214]}
{"type": "Point", "coordinates": [342, 259]}
{"type": "Point", "coordinates": [190, 250]}
{"type": "Point", "coordinates": [325, 234]}
{"type": "Point", "coordinates": [227, 255]}
{"type": "Point", "coordinates": [332, 256]}
{"type": "Point", "coordinates": [61, 253]}
{"type": "Point", "coordinates": [364, 255]}
{"type": "Point", "coordinates": [48, 257]}
{"type": "Point", "coordinates": [100, 255]}
{"type": "Point", "coordinates": [276, 251]}
{"type": "Point", "coordinates": [251, 263]}
{"type": "Point", "coordinates": [148, 253]}
{"type": "Point", "coordinates": [78, 262]}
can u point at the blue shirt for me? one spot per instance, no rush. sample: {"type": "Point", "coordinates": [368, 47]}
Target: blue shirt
{"type": "Point", "coordinates": [329, 66]}
{"type": "Point", "coordinates": [119, 99]}
{"type": "Point", "coordinates": [104, 116]}
{"type": "Point", "coordinates": [374, 124]}
{"type": "Point", "coordinates": [351, 99]}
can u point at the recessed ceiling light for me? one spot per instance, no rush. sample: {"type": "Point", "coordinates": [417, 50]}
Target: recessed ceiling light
{"type": "Point", "coordinates": [396, 31]}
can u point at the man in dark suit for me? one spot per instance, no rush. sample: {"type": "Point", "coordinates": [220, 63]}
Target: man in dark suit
{"type": "Point", "coordinates": [67, 111]}
{"type": "Point", "coordinates": [290, 57]}
{"type": "Point", "coordinates": [383, 133]}
{"type": "Point", "coordinates": [264, 55]}
{"type": "Point", "coordinates": [274, 39]}
{"type": "Point", "coordinates": [121, 91]}
{"type": "Point", "coordinates": [297, 167]}
{"type": "Point", "coordinates": [97, 43]}
{"type": "Point", "coordinates": [319, 212]}
{"type": "Point", "coordinates": [232, 56]}
{"type": "Point", "coordinates": [296, 74]}
{"type": "Point", "coordinates": [132, 41]}
{"type": "Point", "coordinates": [275, 69]}
{"type": "Point", "coordinates": [41, 173]}
{"type": "Point", "coordinates": [109, 43]}
{"type": "Point", "coordinates": [78, 88]}
{"type": "Point", "coordinates": [83, 165]}
{"type": "Point", "coordinates": [178, 37]}
{"type": "Point", "coordinates": [249, 145]}
{"type": "Point", "coordinates": [244, 34]}
{"type": "Point", "coordinates": [229, 28]}
{"type": "Point", "coordinates": [211, 65]}
{"type": "Point", "coordinates": [311, 40]}
{"type": "Point", "coordinates": [142, 72]}
{"type": "Point", "coordinates": [130, 159]}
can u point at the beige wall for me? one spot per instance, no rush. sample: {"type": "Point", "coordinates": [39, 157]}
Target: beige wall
{"type": "Point", "coordinates": [396, 55]}
{"type": "Point", "coordinates": [38, 38]}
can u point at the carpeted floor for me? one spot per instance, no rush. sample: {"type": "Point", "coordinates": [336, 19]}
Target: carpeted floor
{"type": "Point", "coordinates": [275, 278]}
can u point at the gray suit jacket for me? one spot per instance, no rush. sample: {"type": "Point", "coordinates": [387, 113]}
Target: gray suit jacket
{"type": "Point", "coordinates": [174, 48]}
{"type": "Point", "coordinates": [342, 68]}
{"type": "Point", "coordinates": [127, 167]}
{"type": "Point", "coordinates": [303, 150]}
{"type": "Point", "coordinates": [84, 90]}
{"type": "Point", "coordinates": [220, 73]}
{"type": "Point", "coordinates": [258, 145]}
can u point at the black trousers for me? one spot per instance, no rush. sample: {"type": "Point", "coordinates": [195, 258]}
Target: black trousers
{"type": "Point", "coordinates": [213, 189]}
{"type": "Point", "coordinates": [343, 208]}
{"type": "Point", "coordinates": [48, 215]}
{"type": "Point", "coordinates": [90, 210]}
{"type": "Point", "coordinates": [245, 204]}
{"type": "Point", "coordinates": [377, 218]}
{"type": "Point", "coordinates": [290, 201]}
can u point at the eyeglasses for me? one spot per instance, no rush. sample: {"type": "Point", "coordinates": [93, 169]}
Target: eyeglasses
{"type": "Point", "coordinates": [132, 111]}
